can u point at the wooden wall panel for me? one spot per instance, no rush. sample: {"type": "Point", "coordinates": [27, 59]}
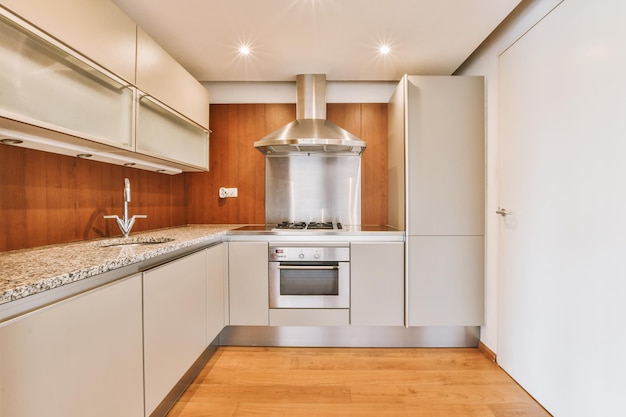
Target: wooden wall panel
{"type": "Point", "coordinates": [368, 122]}
{"type": "Point", "coordinates": [374, 184]}
{"type": "Point", "coordinates": [48, 198]}
{"type": "Point", "coordinates": [235, 163]}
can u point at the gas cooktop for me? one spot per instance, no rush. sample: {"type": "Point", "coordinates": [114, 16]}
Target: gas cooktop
{"type": "Point", "coordinates": [308, 226]}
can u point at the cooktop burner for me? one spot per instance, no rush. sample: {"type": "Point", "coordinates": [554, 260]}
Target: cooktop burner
{"type": "Point", "coordinates": [318, 225]}
{"type": "Point", "coordinates": [308, 226]}
{"type": "Point", "coordinates": [291, 225]}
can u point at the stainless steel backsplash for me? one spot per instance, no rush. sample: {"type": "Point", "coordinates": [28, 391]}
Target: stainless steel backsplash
{"type": "Point", "coordinates": [313, 188]}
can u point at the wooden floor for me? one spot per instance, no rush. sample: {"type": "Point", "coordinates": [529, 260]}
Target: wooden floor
{"type": "Point", "coordinates": [326, 382]}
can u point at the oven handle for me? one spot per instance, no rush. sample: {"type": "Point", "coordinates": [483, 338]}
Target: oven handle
{"type": "Point", "coordinates": [309, 267]}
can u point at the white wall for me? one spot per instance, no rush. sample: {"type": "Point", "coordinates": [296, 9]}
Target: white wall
{"type": "Point", "coordinates": [485, 62]}
{"type": "Point", "coordinates": [285, 92]}
{"type": "Point", "coordinates": [556, 112]}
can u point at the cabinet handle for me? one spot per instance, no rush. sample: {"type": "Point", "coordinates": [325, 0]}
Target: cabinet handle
{"type": "Point", "coordinates": [503, 212]}
{"type": "Point", "coordinates": [147, 96]}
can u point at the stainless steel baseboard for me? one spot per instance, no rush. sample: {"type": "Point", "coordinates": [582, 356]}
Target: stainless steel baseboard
{"type": "Point", "coordinates": [350, 336]}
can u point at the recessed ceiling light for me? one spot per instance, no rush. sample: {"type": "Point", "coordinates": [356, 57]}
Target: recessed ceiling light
{"type": "Point", "coordinates": [244, 50]}
{"type": "Point", "coordinates": [384, 49]}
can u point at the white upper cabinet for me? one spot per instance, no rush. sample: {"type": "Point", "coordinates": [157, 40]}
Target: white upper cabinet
{"type": "Point", "coordinates": [81, 78]}
{"type": "Point", "coordinates": [44, 84]}
{"type": "Point", "coordinates": [161, 77]}
{"type": "Point", "coordinates": [97, 29]}
{"type": "Point", "coordinates": [165, 134]}
{"type": "Point", "coordinates": [173, 108]}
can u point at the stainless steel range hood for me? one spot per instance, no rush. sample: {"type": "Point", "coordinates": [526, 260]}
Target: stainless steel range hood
{"type": "Point", "coordinates": [310, 132]}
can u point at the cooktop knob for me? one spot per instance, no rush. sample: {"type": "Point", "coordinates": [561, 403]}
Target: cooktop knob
{"type": "Point", "coordinates": [316, 255]}
{"type": "Point", "coordinates": [301, 255]}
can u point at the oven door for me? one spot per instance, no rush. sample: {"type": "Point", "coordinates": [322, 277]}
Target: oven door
{"type": "Point", "coordinates": [309, 284]}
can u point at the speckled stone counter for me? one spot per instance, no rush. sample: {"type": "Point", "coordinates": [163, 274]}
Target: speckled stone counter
{"type": "Point", "coordinates": [33, 271]}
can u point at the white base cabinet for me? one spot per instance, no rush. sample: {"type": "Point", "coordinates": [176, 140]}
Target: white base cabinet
{"type": "Point", "coordinates": [446, 286]}
{"type": "Point", "coordinates": [377, 284]}
{"type": "Point", "coordinates": [248, 283]}
{"type": "Point", "coordinates": [79, 357]}
{"type": "Point", "coordinates": [174, 323]}
{"type": "Point", "coordinates": [217, 276]}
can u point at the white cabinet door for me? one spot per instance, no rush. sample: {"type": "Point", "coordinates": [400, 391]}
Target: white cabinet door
{"type": "Point", "coordinates": [248, 283]}
{"type": "Point", "coordinates": [98, 29]}
{"type": "Point", "coordinates": [175, 329]}
{"type": "Point", "coordinates": [216, 296]}
{"type": "Point", "coordinates": [446, 162]}
{"type": "Point", "coordinates": [377, 284]}
{"type": "Point", "coordinates": [80, 357]}
{"type": "Point", "coordinates": [173, 117]}
{"type": "Point", "coordinates": [446, 280]}
{"type": "Point", "coordinates": [44, 85]}
{"type": "Point", "coordinates": [160, 76]}
{"type": "Point", "coordinates": [164, 134]}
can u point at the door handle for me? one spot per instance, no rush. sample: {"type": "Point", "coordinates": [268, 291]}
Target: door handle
{"type": "Point", "coordinates": [503, 212]}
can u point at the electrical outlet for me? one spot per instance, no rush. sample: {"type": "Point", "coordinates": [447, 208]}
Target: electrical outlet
{"type": "Point", "coordinates": [227, 192]}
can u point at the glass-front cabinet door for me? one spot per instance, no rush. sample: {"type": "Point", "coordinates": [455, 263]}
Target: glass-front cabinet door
{"type": "Point", "coordinates": [163, 133]}
{"type": "Point", "coordinates": [44, 83]}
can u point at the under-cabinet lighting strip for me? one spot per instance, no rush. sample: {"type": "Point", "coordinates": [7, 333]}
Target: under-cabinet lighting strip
{"type": "Point", "coordinates": [10, 137]}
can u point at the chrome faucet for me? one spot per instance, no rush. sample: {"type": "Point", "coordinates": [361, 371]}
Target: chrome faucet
{"type": "Point", "coordinates": [126, 224]}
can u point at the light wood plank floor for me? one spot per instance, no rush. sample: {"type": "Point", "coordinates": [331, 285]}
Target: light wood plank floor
{"type": "Point", "coordinates": [327, 382]}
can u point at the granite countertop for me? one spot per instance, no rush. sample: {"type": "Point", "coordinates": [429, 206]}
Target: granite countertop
{"type": "Point", "coordinates": [31, 271]}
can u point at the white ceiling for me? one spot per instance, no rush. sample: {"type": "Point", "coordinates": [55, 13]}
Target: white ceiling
{"type": "Point", "coordinates": [338, 38]}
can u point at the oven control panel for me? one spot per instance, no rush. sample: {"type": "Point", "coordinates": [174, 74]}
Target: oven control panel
{"type": "Point", "coordinates": [309, 253]}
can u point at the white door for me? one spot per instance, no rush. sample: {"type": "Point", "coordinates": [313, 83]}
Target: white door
{"type": "Point", "coordinates": [562, 256]}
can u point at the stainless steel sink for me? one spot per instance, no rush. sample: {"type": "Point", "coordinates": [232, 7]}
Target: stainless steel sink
{"type": "Point", "coordinates": [133, 241]}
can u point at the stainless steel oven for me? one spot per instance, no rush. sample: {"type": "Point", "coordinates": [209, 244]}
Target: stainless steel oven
{"type": "Point", "coordinates": [315, 276]}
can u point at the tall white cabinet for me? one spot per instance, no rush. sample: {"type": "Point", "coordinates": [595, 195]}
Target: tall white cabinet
{"type": "Point", "coordinates": [436, 135]}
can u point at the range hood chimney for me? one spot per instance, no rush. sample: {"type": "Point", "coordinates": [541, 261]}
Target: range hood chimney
{"type": "Point", "coordinates": [310, 132]}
